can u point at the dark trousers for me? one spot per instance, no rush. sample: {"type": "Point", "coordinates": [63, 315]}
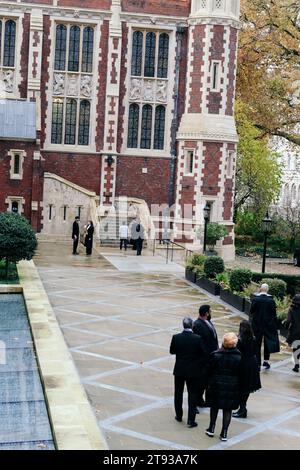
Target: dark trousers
{"type": "Point", "coordinates": [259, 339]}
{"type": "Point", "coordinates": [139, 246]}
{"type": "Point", "coordinates": [192, 389]}
{"type": "Point", "coordinates": [226, 418]}
{"type": "Point", "coordinates": [243, 401]}
{"type": "Point", "coordinates": [123, 241]}
{"type": "Point", "coordinates": [75, 245]}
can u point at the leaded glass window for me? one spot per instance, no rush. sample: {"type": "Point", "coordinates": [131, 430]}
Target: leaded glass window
{"type": "Point", "coordinates": [163, 56]}
{"type": "Point", "coordinates": [9, 44]}
{"type": "Point", "coordinates": [149, 68]}
{"type": "Point", "coordinates": [74, 47]}
{"type": "Point", "coordinates": [60, 47]}
{"type": "Point", "coordinates": [146, 130]}
{"type": "Point", "coordinates": [57, 121]}
{"type": "Point", "coordinates": [137, 53]}
{"type": "Point", "coordinates": [84, 123]}
{"type": "Point", "coordinates": [87, 49]}
{"type": "Point", "coordinates": [133, 125]}
{"type": "Point", "coordinates": [73, 92]}
{"type": "Point", "coordinates": [71, 117]}
{"type": "Point", "coordinates": [159, 129]}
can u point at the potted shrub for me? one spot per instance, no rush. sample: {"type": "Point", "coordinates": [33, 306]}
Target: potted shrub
{"type": "Point", "coordinates": [213, 266]}
{"type": "Point", "coordinates": [277, 287]}
{"type": "Point", "coordinates": [194, 266]}
{"type": "Point", "coordinates": [214, 233]}
{"type": "Point", "coordinates": [239, 279]}
{"type": "Point", "coordinates": [248, 294]}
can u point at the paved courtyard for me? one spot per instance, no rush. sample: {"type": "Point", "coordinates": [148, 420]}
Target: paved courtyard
{"type": "Point", "coordinates": [118, 313]}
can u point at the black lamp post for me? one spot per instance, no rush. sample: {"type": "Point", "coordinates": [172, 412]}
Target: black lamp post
{"type": "Point", "coordinates": [206, 213]}
{"type": "Point", "coordinates": [266, 228]}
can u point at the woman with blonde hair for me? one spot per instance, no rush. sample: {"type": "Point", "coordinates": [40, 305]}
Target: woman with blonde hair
{"type": "Point", "coordinates": [224, 383]}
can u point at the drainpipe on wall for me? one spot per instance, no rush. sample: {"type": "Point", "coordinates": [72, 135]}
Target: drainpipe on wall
{"type": "Point", "coordinates": [174, 126]}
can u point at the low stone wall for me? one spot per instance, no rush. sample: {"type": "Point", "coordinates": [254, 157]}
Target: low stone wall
{"type": "Point", "coordinates": [73, 422]}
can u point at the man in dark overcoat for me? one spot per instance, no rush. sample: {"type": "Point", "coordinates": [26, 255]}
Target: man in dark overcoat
{"type": "Point", "coordinates": [75, 235]}
{"type": "Point", "coordinates": [188, 369]}
{"type": "Point", "coordinates": [263, 319]}
{"type": "Point", "coordinates": [204, 327]}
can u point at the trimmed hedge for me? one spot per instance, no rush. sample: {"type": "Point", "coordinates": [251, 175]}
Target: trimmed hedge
{"type": "Point", "coordinates": [239, 278]}
{"type": "Point", "coordinates": [277, 287]}
{"type": "Point", "coordinates": [292, 280]}
{"type": "Point", "coordinates": [213, 266]}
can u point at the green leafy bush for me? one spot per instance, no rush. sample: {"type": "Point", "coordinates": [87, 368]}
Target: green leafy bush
{"type": "Point", "coordinates": [292, 280]}
{"type": "Point", "coordinates": [195, 260]}
{"type": "Point", "coordinates": [198, 270]}
{"type": "Point", "coordinates": [282, 308]}
{"type": "Point", "coordinates": [17, 239]}
{"type": "Point", "coordinates": [239, 279]}
{"type": "Point", "coordinates": [277, 287]}
{"type": "Point", "coordinates": [223, 279]}
{"type": "Point", "coordinates": [213, 266]}
{"type": "Point", "coordinates": [215, 232]}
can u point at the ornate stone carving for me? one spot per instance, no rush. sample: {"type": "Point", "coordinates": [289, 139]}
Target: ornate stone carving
{"type": "Point", "coordinates": [72, 88]}
{"type": "Point", "coordinates": [161, 91]}
{"type": "Point", "coordinates": [135, 89]}
{"type": "Point", "coordinates": [8, 80]}
{"type": "Point", "coordinates": [148, 94]}
{"type": "Point", "coordinates": [58, 84]}
{"type": "Point", "coordinates": [86, 85]}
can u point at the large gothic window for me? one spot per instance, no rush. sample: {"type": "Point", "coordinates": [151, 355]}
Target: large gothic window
{"type": "Point", "coordinates": [163, 56]}
{"type": "Point", "coordinates": [133, 126]}
{"type": "Point", "coordinates": [137, 53]}
{"type": "Point", "coordinates": [74, 49]}
{"type": "Point", "coordinates": [72, 84]}
{"type": "Point", "coordinates": [7, 43]}
{"type": "Point", "coordinates": [148, 94]}
{"type": "Point", "coordinates": [146, 130]}
{"type": "Point", "coordinates": [149, 68]}
{"type": "Point", "coordinates": [159, 129]}
{"type": "Point", "coordinates": [87, 49]}
{"type": "Point", "coordinates": [84, 123]}
{"type": "Point", "coordinates": [60, 47]}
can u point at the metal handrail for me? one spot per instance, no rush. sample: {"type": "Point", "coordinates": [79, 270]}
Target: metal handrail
{"type": "Point", "coordinates": [172, 244]}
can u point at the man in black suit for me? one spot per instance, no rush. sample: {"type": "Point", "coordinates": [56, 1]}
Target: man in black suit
{"type": "Point", "coordinates": [205, 328]}
{"type": "Point", "coordinates": [75, 235]}
{"type": "Point", "coordinates": [263, 319]}
{"type": "Point", "coordinates": [188, 369]}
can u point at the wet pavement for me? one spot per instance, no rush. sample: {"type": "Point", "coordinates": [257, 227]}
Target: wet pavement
{"type": "Point", "coordinates": [118, 316]}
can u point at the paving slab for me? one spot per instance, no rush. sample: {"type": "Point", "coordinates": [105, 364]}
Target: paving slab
{"type": "Point", "coordinates": [128, 310]}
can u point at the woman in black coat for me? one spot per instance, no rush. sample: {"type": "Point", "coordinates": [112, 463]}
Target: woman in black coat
{"type": "Point", "coordinates": [224, 383]}
{"type": "Point", "coordinates": [89, 238]}
{"type": "Point", "coordinates": [293, 325]}
{"type": "Point", "coordinates": [250, 378]}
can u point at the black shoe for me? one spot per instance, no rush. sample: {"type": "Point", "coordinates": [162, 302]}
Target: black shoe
{"type": "Point", "coordinates": [266, 365]}
{"type": "Point", "coordinates": [240, 414]}
{"type": "Point", "coordinates": [178, 419]}
{"type": "Point", "coordinates": [210, 431]}
{"type": "Point", "coordinates": [197, 410]}
{"type": "Point", "coordinates": [223, 435]}
{"type": "Point", "coordinates": [192, 425]}
{"type": "Point", "coordinates": [296, 368]}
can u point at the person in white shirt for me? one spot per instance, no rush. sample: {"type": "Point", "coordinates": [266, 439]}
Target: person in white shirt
{"type": "Point", "coordinates": [124, 233]}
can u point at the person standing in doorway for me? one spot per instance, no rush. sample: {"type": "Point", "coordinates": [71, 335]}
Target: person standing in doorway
{"type": "Point", "coordinates": [89, 238]}
{"type": "Point", "coordinates": [263, 320]}
{"type": "Point", "coordinates": [140, 238]}
{"type": "Point", "coordinates": [75, 235]}
{"type": "Point", "coordinates": [124, 233]}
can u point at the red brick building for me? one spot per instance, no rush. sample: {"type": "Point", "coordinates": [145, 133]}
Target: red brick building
{"type": "Point", "coordinates": [107, 98]}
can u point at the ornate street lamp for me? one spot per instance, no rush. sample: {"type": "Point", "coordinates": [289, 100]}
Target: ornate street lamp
{"type": "Point", "coordinates": [206, 214]}
{"type": "Point", "coordinates": [266, 228]}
